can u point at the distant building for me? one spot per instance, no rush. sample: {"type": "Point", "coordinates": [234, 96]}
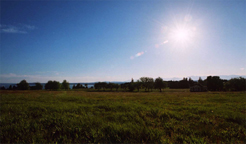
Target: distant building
{"type": "Point", "coordinates": [198, 88]}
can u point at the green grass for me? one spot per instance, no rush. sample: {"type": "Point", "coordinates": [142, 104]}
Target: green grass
{"type": "Point", "coordinates": [173, 116]}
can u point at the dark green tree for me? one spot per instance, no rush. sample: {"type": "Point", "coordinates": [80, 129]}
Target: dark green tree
{"type": "Point", "coordinates": [23, 85]}
{"type": "Point", "coordinates": [14, 87]}
{"type": "Point", "coordinates": [226, 86]}
{"type": "Point", "coordinates": [150, 83]}
{"type": "Point", "coordinates": [191, 82]}
{"type": "Point", "coordinates": [138, 84]}
{"type": "Point", "coordinates": [110, 86]}
{"type": "Point", "coordinates": [3, 88]}
{"type": "Point", "coordinates": [183, 83]}
{"type": "Point", "coordinates": [10, 87]}
{"type": "Point", "coordinates": [237, 84]}
{"type": "Point", "coordinates": [124, 86]}
{"type": "Point", "coordinates": [104, 85]}
{"type": "Point", "coordinates": [65, 85]}
{"type": "Point", "coordinates": [160, 84]}
{"type": "Point", "coordinates": [116, 86]}
{"type": "Point", "coordinates": [86, 86]}
{"type": "Point", "coordinates": [214, 83]}
{"type": "Point", "coordinates": [48, 85]}
{"type": "Point", "coordinates": [131, 86]}
{"type": "Point", "coordinates": [56, 85]}
{"type": "Point", "coordinates": [52, 85]}
{"type": "Point", "coordinates": [38, 86]}
{"type": "Point", "coordinates": [200, 81]}
{"type": "Point", "coordinates": [144, 81]}
{"type": "Point", "coordinates": [98, 86]}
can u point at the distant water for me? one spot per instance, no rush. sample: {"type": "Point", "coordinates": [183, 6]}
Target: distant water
{"type": "Point", "coordinates": [89, 85]}
{"type": "Point", "coordinates": [6, 85]}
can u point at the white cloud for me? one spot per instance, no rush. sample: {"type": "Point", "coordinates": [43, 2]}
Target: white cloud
{"type": "Point", "coordinates": [21, 28]}
{"type": "Point", "coordinates": [30, 27]}
{"type": "Point", "coordinates": [241, 68]}
{"type": "Point", "coordinates": [12, 29]}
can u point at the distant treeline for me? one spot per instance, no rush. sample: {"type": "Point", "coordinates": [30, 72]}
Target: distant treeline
{"type": "Point", "coordinates": [213, 83]}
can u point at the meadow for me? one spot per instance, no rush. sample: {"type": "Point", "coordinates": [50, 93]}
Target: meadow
{"type": "Point", "coordinates": [171, 116]}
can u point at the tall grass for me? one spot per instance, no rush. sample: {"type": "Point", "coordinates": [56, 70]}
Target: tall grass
{"type": "Point", "coordinates": [121, 117]}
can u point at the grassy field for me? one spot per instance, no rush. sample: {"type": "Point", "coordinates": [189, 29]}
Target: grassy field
{"type": "Point", "coordinates": [172, 116]}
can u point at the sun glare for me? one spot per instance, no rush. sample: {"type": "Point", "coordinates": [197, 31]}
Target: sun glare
{"type": "Point", "coordinates": [182, 35]}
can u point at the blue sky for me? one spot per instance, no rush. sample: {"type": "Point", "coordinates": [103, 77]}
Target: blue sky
{"type": "Point", "coordinates": [87, 41]}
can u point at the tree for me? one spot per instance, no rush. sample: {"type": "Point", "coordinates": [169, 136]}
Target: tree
{"type": "Point", "coordinates": [214, 83]}
{"type": "Point", "coordinates": [147, 83]}
{"type": "Point", "coordinates": [23, 85]}
{"type": "Point", "coordinates": [226, 86]}
{"type": "Point", "coordinates": [3, 88]}
{"type": "Point", "coordinates": [124, 86]}
{"type": "Point", "coordinates": [191, 82]}
{"type": "Point", "coordinates": [14, 87]}
{"type": "Point", "coordinates": [237, 84]}
{"type": "Point", "coordinates": [56, 85]}
{"type": "Point", "coordinates": [131, 86]}
{"type": "Point", "coordinates": [100, 85]}
{"type": "Point", "coordinates": [10, 87]}
{"type": "Point", "coordinates": [48, 85]}
{"type": "Point", "coordinates": [97, 86]}
{"type": "Point", "coordinates": [110, 86]}
{"type": "Point", "coordinates": [183, 83]}
{"type": "Point", "coordinates": [144, 81]}
{"type": "Point", "coordinates": [138, 85]}
{"type": "Point", "coordinates": [78, 86]}
{"type": "Point", "coordinates": [65, 85]}
{"type": "Point", "coordinates": [104, 85]}
{"type": "Point", "coordinates": [200, 81]}
{"type": "Point", "coordinates": [52, 85]}
{"type": "Point", "coordinates": [86, 86]}
{"type": "Point", "coordinates": [38, 86]}
{"type": "Point", "coordinates": [150, 83]}
{"type": "Point", "coordinates": [159, 83]}
{"type": "Point", "coordinates": [116, 86]}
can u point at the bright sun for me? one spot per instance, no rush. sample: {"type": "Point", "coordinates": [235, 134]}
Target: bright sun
{"type": "Point", "coordinates": [182, 36]}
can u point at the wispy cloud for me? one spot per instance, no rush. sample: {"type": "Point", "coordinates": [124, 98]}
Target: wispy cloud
{"type": "Point", "coordinates": [18, 29]}
{"type": "Point", "coordinates": [30, 27]}
{"type": "Point", "coordinates": [242, 69]}
{"type": "Point", "coordinates": [12, 29]}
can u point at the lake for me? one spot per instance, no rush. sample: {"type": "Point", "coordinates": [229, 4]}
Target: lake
{"type": "Point", "coordinates": [6, 85]}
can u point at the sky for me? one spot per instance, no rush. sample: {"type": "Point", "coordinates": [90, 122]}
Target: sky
{"type": "Point", "coordinates": [88, 41]}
